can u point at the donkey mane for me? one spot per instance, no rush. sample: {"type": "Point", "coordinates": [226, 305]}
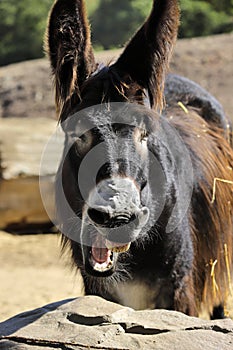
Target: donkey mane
{"type": "Point", "coordinates": [107, 85]}
{"type": "Point", "coordinates": [211, 223]}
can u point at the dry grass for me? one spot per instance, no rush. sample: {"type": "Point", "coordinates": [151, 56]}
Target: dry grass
{"type": "Point", "coordinates": [216, 179]}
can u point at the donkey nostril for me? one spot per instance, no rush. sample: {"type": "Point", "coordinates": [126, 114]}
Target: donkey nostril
{"type": "Point", "coordinates": [97, 216]}
{"type": "Point", "coordinates": [122, 220]}
{"type": "Point", "coordinates": [103, 218]}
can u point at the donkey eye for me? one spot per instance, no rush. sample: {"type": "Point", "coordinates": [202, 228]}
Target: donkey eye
{"type": "Point", "coordinates": [140, 136]}
{"type": "Point", "coordinates": [143, 136]}
{"type": "Point", "coordinates": [82, 138]}
{"type": "Point", "coordinates": [83, 143]}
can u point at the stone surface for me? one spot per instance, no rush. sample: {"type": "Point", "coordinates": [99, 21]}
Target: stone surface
{"type": "Point", "coordinates": [22, 144]}
{"type": "Point", "coordinates": [94, 323]}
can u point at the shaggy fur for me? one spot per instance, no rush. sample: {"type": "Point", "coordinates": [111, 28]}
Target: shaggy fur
{"type": "Point", "coordinates": [177, 267]}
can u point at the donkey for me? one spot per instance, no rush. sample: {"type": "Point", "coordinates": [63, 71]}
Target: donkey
{"type": "Point", "coordinates": [154, 226]}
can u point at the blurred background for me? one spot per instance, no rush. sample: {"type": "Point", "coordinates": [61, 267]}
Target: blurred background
{"type": "Point", "coordinates": [113, 22]}
{"type": "Point", "coordinates": [32, 273]}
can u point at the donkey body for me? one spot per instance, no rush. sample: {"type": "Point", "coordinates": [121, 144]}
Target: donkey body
{"type": "Point", "coordinates": [122, 243]}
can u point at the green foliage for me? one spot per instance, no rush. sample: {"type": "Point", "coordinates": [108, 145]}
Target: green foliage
{"type": "Point", "coordinates": [114, 22]}
{"type": "Point", "coordinates": [23, 23]}
{"type": "Point", "coordinates": [199, 18]}
{"type": "Point", "coordinates": [22, 29]}
{"type": "Point", "coordinates": [143, 6]}
{"type": "Point", "coordinates": [92, 5]}
{"type": "Point", "coordinates": [223, 5]}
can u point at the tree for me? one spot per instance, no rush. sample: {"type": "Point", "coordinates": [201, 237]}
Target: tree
{"type": "Point", "coordinates": [225, 6]}
{"type": "Point", "coordinates": [114, 22]}
{"type": "Point", "coordinates": [22, 29]}
{"type": "Point", "coordinates": [199, 18]}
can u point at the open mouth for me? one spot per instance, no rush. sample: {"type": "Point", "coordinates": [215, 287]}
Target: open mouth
{"type": "Point", "coordinates": [112, 218]}
{"type": "Point", "coordinates": [100, 257]}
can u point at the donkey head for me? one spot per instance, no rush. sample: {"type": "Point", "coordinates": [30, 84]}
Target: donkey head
{"type": "Point", "coordinates": [106, 140]}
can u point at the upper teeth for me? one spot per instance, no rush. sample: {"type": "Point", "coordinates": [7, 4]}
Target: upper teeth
{"type": "Point", "coordinates": [119, 249]}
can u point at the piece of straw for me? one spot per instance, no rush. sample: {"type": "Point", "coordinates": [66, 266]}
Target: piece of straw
{"type": "Point", "coordinates": [181, 105]}
{"type": "Point", "coordinates": [212, 275]}
{"type": "Point", "coordinates": [214, 186]}
{"type": "Point", "coordinates": [226, 255]}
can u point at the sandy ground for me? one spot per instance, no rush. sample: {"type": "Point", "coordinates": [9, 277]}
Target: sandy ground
{"type": "Point", "coordinates": [32, 273]}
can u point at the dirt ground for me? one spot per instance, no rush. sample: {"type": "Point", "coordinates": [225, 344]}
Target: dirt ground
{"type": "Point", "coordinates": [32, 273]}
{"type": "Point", "coordinates": [31, 270]}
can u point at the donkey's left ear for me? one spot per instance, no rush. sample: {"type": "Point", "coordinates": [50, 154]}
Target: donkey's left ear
{"type": "Point", "coordinates": [69, 47]}
{"type": "Point", "coordinates": [146, 57]}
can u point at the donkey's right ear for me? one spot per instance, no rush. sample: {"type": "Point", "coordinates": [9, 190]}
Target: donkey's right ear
{"type": "Point", "coordinates": [69, 47]}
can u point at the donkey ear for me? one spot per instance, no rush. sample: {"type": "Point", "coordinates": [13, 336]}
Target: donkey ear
{"type": "Point", "coordinates": [69, 47]}
{"type": "Point", "coordinates": [146, 57]}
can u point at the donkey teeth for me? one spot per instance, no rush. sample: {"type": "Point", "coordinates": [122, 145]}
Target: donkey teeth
{"type": "Point", "coordinates": [121, 249]}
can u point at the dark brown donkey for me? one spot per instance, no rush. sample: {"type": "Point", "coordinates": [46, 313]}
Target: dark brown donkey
{"type": "Point", "coordinates": [146, 172]}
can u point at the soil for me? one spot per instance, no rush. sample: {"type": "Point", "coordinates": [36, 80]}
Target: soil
{"type": "Point", "coordinates": [32, 273]}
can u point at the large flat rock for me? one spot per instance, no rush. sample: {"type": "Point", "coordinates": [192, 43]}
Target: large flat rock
{"type": "Point", "coordinates": [94, 323]}
{"type": "Point", "coordinates": [22, 143]}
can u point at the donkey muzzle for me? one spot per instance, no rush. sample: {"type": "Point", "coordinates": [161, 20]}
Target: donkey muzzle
{"type": "Point", "coordinates": [114, 208]}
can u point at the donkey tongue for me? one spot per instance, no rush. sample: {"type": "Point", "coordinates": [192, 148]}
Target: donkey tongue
{"type": "Point", "coordinates": [100, 255]}
{"type": "Point", "coordinates": [99, 250]}
{"type": "Point", "coordinates": [102, 249]}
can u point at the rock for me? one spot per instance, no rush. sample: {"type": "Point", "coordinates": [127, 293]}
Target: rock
{"type": "Point", "coordinates": [22, 142]}
{"type": "Point", "coordinates": [94, 323]}
{"type": "Point", "coordinates": [26, 89]}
